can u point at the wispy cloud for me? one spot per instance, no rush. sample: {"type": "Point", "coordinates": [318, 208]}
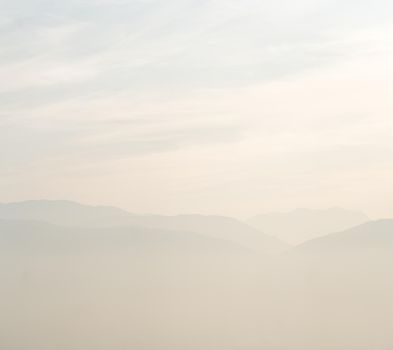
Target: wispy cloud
{"type": "Point", "coordinates": [192, 92]}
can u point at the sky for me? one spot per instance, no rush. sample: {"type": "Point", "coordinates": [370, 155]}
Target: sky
{"type": "Point", "coordinates": [230, 107]}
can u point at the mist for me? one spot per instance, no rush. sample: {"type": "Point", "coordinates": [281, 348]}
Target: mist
{"type": "Point", "coordinates": [196, 175]}
{"type": "Point", "coordinates": [75, 287]}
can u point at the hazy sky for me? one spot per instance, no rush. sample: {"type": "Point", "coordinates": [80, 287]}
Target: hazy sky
{"type": "Point", "coordinates": [230, 107]}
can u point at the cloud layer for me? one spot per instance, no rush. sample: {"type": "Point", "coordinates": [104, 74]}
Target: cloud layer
{"type": "Point", "coordinates": [214, 106]}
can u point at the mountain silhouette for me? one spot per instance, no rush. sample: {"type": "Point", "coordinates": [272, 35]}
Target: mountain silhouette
{"type": "Point", "coordinates": [300, 225]}
{"type": "Point", "coordinates": [65, 213]}
{"type": "Point", "coordinates": [373, 236]}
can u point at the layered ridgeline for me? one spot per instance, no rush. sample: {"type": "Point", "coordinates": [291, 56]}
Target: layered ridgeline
{"type": "Point", "coordinates": [300, 225]}
{"type": "Point", "coordinates": [75, 283]}
{"type": "Point", "coordinates": [348, 285]}
{"type": "Point", "coordinates": [65, 213]}
{"type": "Point", "coordinates": [373, 237]}
{"type": "Point", "coordinates": [127, 287]}
{"type": "Point", "coordinates": [41, 238]}
{"type": "Point", "coordinates": [72, 287]}
{"type": "Point", "coordinates": [356, 260]}
{"type": "Point", "coordinates": [34, 247]}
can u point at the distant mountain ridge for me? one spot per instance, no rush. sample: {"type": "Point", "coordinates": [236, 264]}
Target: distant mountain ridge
{"type": "Point", "coordinates": [66, 213]}
{"type": "Point", "coordinates": [215, 226]}
{"type": "Point", "coordinates": [301, 225]}
{"type": "Point", "coordinates": [180, 282]}
{"type": "Point", "coordinates": [372, 236]}
{"type": "Point", "coordinates": [36, 236]}
{"type": "Point", "coordinates": [62, 212]}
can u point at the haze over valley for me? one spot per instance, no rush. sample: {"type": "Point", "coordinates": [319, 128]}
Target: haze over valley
{"type": "Point", "coordinates": [91, 277]}
{"type": "Point", "coordinates": [196, 175]}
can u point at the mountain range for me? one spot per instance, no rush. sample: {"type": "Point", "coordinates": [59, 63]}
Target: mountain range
{"type": "Point", "coordinates": [65, 213]}
{"type": "Point", "coordinates": [300, 225]}
{"type": "Point", "coordinates": [84, 277]}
